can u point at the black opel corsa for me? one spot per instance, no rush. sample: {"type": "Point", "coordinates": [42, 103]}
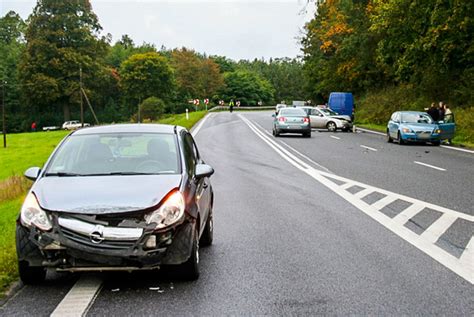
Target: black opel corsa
{"type": "Point", "coordinates": [122, 197]}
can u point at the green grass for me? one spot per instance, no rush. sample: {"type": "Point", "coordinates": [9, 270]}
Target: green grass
{"type": "Point", "coordinates": [33, 149]}
{"type": "Point", "coordinates": [8, 263]}
{"type": "Point", "coordinates": [375, 127]}
{"type": "Point", "coordinates": [27, 149]}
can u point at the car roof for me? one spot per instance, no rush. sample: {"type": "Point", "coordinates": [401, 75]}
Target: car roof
{"type": "Point", "coordinates": [411, 112]}
{"type": "Point", "coordinates": [131, 128]}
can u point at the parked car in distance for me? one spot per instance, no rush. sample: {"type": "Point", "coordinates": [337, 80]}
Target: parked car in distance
{"type": "Point", "coordinates": [279, 106]}
{"type": "Point", "coordinates": [73, 125]}
{"type": "Point", "coordinates": [50, 128]}
{"type": "Point", "coordinates": [325, 118]}
{"type": "Point", "coordinates": [342, 103]}
{"type": "Point", "coordinates": [291, 120]}
{"type": "Point", "coordinates": [416, 126]}
{"type": "Point", "coordinates": [117, 198]}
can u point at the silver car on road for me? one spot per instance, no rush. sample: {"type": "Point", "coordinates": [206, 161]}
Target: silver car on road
{"type": "Point", "coordinates": [325, 118]}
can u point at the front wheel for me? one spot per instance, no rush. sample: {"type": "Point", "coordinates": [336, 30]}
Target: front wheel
{"type": "Point", "coordinates": [208, 234]}
{"type": "Point", "coordinates": [25, 248]}
{"type": "Point", "coordinates": [331, 126]}
{"type": "Point", "coordinates": [389, 138]}
{"type": "Point", "coordinates": [436, 143]}
{"type": "Point", "coordinates": [189, 270]}
{"type": "Point", "coordinates": [400, 139]}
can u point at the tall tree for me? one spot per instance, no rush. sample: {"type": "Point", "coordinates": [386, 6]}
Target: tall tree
{"type": "Point", "coordinates": [147, 75]}
{"type": "Point", "coordinates": [247, 87]}
{"type": "Point", "coordinates": [61, 38]}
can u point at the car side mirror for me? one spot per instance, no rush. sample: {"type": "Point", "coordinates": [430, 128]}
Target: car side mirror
{"type": "Point", "coordinates": [32, 173]}
{"type": "Point", "coordinates": [203, 170]}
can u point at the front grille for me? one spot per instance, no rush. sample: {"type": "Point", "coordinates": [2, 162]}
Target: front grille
{"type": "Point", "coordinates": [85, 240]}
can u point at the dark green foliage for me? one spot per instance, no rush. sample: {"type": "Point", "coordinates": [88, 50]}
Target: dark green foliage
{"type": "Point", "coordinates": [247, 87]}
{"type": "Point", "coordinates": [152, 108]}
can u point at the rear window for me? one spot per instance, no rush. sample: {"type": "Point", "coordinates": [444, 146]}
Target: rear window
{"type": "Point", "coordinates": [293, 112]}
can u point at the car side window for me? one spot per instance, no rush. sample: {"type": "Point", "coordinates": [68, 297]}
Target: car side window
{"type": "Point", "coordinates": [314, 112]}
{"type": "Point", "coordinates": [396, 117]}
{"type": "Point", "coordinates": [190, 153]}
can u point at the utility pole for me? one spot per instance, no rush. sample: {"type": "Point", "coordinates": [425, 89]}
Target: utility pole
{"type": "Point", "coordinates": [4, 128]}
{"type": "Point", "coordinates": [80, 92]}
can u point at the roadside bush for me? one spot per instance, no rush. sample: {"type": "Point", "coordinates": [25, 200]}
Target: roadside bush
{"type": "Point", "coordinates": [13, 187]}
{"type": "Point", "coordinates": [152, 108]}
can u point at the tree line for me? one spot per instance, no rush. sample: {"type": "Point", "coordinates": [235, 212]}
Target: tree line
{"type": "Point", "coordinates": [423, 50]}
{"type": "Point", "coordinates": [46, 59]}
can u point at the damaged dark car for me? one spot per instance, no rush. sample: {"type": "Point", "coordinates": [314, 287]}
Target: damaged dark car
{"type": "Point", "coordinates": [122, 197]}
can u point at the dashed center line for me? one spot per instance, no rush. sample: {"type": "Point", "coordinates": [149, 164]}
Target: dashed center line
{"type": "Point", "coordinates": [368, 148]}
{"type": "Point", "coordinates": [430, 166]}
{"type": "Point", "coordinates": [335, 137]}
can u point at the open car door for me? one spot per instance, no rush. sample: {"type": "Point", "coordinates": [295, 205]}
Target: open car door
{"type": "Point", "coordinates": [447, 128]}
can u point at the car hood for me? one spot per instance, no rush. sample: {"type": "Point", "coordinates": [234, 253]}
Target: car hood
{"type": "Point", "coordinates": [341, 117]}
{"type": "Point", "coordinates": [103, 194]}
{"type": "Point", "coordinates": [420, 126]}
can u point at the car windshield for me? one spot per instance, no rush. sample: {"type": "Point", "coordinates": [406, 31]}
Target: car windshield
{"type": "Point", "coordinates": [116, 154]}
{"type": "Point", "coordinates": [328, 112]}
{"type": "Point", "coordinates": [293, 112]}
{"type": "Point", "coordinates": [416, 118]}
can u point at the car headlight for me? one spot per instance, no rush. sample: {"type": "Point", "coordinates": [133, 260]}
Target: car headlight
{"type": "Point", "coordinates": [406, 130]}
{"type": "Point", "coordinates": [32, 214]}
{"type": "Point", "coordinates": [170, 212]}
{"type": "Point", "coordinates": [437, 131]}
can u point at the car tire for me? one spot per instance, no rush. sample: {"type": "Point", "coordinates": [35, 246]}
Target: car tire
{"type": "Point", "coordinates": [436, 143]}
{"type": "Point", "coordinates": [24, 247]}
{"type": "Point", "coordinates": [277, 134]}
{"type": "Point", "coordinates": [189, 270]}
{"type": "Point", "coordinates": [389, 138]}
{"type": "Point", "coordinates": [400, 140]}
{"type": "Point", "coordinates": [307, 134]}
{"type": "Point", "coordinates": [208, 234]}
{"type": "Point", "coordinates": [331, 126]}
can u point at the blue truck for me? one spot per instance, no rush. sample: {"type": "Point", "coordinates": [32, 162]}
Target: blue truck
{"type": "Point", "coordinates": [342, 103]}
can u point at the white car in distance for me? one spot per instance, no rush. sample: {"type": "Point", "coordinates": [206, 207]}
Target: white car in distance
{"type": "Point", "coordinates": [73, 125]}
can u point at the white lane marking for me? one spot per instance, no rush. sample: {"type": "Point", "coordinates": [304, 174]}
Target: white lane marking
{"type": "Point", "coordinates": [370, 131]}
{"type": "Point", "coordinates": [380, 204]}
{"type": "Point", "coordinates": [363, 193]}
{"type": "Point", "coordinates": [368, 148]}
{"type": "Point", "coordinates": [347, 185]}
{"type": "Point", "coordinates": [199, 126]}
{"type": "Point", "coordinates": [334, 137]}
{"type": "Point", "coordinates": [439, 227]}
{"type": "Point", "coordinates": [403, 217]}
{"type": "Point", "coordinates": [430, 166]}
{"type": "Point", "coordinates": [80, 298]}
{"type": "Point", "coordinates": [467, 257]}
{"type": "Point", "coordinates": [462, 268]}
{"type": "Point", "coordinates": [456, 149]}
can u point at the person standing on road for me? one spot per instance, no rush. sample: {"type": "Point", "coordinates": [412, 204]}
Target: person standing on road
{"type": "Point", "coordinates": [448, 114]}
{"type": "Point", "coordinates": [231, 105]}
{"type": "Point", "coordinates": [433, 112]}
{"type": "Point", "coordinates": [441, 111]}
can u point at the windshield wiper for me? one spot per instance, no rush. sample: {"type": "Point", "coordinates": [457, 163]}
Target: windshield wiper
{"type": "Point", "coordinates": [120, 173]}
{"type": "Point", "coordinates": [63, 174]}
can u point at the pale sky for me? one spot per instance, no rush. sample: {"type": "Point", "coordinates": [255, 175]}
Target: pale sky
{"type": "Point", "coordinates": [238, 29]}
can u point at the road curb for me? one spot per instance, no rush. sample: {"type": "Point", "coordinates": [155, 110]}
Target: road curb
{"type": "Point", "coordinates": [11, 292]}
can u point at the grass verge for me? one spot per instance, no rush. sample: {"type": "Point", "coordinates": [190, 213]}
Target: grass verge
{"type": "Point", "coordinates": [33, 149]}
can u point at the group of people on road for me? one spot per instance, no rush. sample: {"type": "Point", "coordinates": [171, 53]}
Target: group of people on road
{"type": "Point", "coordinates": [441, 113]}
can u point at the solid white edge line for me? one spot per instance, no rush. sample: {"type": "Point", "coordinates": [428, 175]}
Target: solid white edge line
{"type": "Point", "coordinates": [334, 137]}
{"type": "Point", "coordinates": [444, 258]}
{"type": "Point", "coordinates": [456, 149]}
{"type": "Point", "coordinates": [80, 298]}
{"type": "Point", "coordinates": [368, 148]}
{"type": "Point", "coordinates": [370, 131]}
{"type": "Point", "coordinates": [430, 166]}
{"type": "Point", "coordinates": [201, 123]}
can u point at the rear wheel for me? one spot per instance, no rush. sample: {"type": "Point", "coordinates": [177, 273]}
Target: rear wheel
{"type": "Point", "coordinates": [331, 126]}
{"type": "Point", "coordinates": [24, 248]}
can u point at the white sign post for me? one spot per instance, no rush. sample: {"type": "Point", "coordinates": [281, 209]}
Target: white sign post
{"type": "Point", "coordinates": [187, 114]}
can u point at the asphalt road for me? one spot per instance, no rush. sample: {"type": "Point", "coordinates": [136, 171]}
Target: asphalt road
{"type": "Point", "coordinates": [293, 238]}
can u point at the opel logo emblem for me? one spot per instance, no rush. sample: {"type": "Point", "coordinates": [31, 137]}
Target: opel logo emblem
{"type": "Point", "coordinates": [97, 235]}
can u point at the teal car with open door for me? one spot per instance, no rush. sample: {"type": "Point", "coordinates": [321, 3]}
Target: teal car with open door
{"type": "Point", "coordinates": [416, 126]}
